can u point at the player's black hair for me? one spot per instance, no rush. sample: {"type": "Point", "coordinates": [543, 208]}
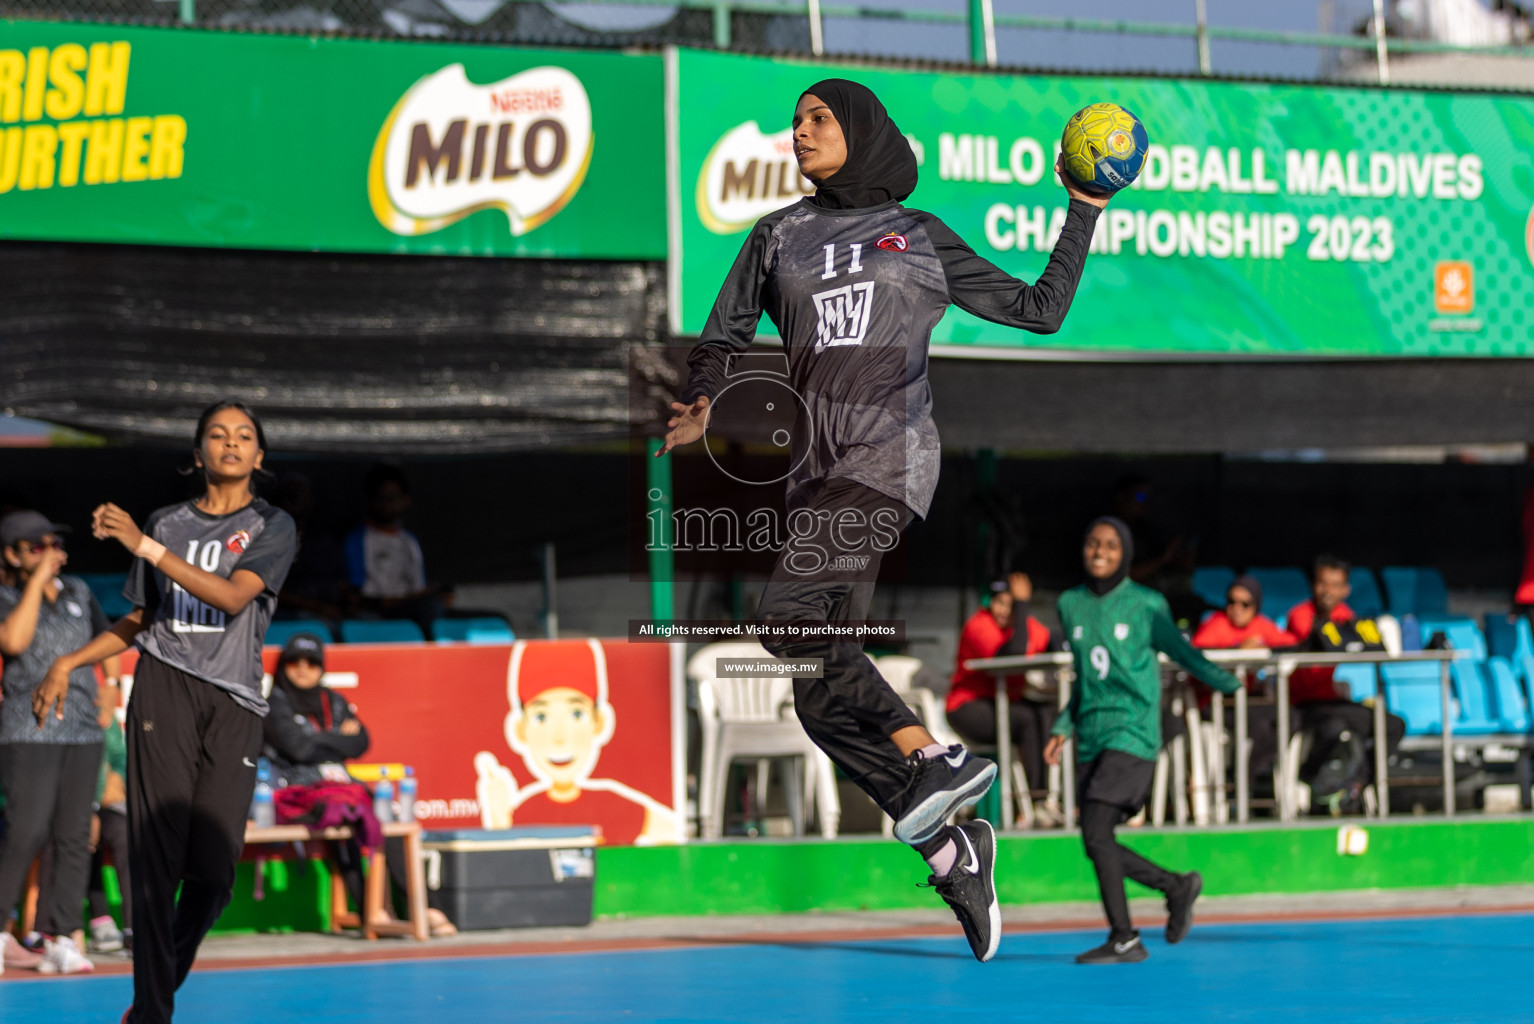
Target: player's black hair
{"type": "Point", "coordinates": [1329, 561]}
{"type": "Point", "coordinates": [380, 473]}
{"type": "Point", "coordinates": [260, 476]}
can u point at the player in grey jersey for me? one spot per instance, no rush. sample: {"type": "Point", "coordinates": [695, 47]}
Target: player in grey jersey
{"type": "Point", "coordinates": [855, 283]}
{"type": "Point", "coordinates": [203, 586]}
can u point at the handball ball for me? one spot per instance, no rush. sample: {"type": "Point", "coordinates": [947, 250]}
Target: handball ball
{"type": "Point", "coordinates": [1104, 147]}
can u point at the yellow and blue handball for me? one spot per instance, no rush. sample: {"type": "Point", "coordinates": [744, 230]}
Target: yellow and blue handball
{"type": "Point", "coordinates": [1104, 147]}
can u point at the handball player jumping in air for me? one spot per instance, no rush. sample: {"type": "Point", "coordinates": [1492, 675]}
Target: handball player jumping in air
{"type": "Point", "coordinates": [855, 283]}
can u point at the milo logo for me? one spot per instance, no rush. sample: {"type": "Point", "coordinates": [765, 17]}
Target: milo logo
{"type": "Point", "coordinates": [450, 148]}
{"type": "Point", "coordinates": [746, 176]}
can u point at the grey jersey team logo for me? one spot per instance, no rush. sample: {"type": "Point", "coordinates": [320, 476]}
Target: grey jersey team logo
{"type": "Point", "coordinates": [844, 314]}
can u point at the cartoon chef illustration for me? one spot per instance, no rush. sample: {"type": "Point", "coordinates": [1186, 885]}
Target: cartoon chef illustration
{"type": "Point", "coordinates": [559, 722]}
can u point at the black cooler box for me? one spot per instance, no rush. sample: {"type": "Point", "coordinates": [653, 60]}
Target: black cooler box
{"type": "Point", "coordinates": [512, 878]}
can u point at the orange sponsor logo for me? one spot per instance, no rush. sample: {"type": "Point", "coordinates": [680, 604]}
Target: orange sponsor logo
{"type": "Point", "coordinates": [1454, 287]}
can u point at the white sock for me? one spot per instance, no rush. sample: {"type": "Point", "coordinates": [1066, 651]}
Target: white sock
{"type": "Point", "coordinates": [943, 860]}
{"type": "Point", "coordinates": [933, 751]}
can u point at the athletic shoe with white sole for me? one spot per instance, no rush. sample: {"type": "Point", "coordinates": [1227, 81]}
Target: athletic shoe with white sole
{"type": "Point", "coordinates": [1116, 951]}
{"type": "Point", "coordinates": [939, 788]}
{"type": "Point", "coordinates": [1179, 906]}
{"type": "Point", "coordinates": [62, 956]}
{"type": "Point", "coordinates": [14, 954]}
{"type": "Point", "coordinates": [970, 887]}
{"type": "Point", "coordinates": [105, 935]}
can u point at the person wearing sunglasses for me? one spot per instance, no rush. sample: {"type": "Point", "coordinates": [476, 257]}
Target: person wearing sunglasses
{"type": "Point", "coordinates": [49, 774]}
{"type": "Point", "coordinates": [1242, 625]}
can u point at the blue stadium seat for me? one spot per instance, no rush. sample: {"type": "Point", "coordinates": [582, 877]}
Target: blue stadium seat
{"type": "Point", "coordinates": [1362, 680]}
{"type": "Point", "coordinates": [484, 630]}
{"type": "Point", "coordinates": [1210, 582]}
{"type": "Point", "coordinates": [381, 631]}
{"type": "Point", "coordinates": [1523, 640]}
{"type": "Point", "coordinates": [1462, 634]}
{"type": "Point", "coordinates": [1282, 589]}
{"type": "Point", "coordinates": [281, 631]}
{"type": "Point", "coordinates": [1512, 698]}
{"type": "Point", "coordinates": [1501, 635]}
{"type": "Point", "coordinates": [1412, 691]}
{"type": "Point", "coordinates": [1365, 599]}
{"type": "Point", "coordinates": [1472, 686]}
{"type": "Point", "coordinates": [1415, 590]}
{"type": "Point", "coordinates": [108, 588]}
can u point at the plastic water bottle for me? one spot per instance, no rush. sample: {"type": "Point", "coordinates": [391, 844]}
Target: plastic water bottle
{"type": "Point", "coordinates": [407, 787]}
{"type": "Point", "coordinates": [262, 810]}
{"type": "Point", "coordinates": [383, 798]}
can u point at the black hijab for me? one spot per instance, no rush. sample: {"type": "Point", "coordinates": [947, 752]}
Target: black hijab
{"type": "Point", "coordinates": [1249, 583]}
{"type": "Point", "coordinates": [880, 166]}
{"type": "Point", "coordinates": [1101, 587]}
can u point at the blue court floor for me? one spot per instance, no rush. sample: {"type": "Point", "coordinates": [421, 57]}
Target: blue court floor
{"type": "Point", "coordinates": [1402, 971]}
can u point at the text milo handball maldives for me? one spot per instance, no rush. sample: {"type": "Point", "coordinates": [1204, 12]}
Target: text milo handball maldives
{"type": "Point", "coordinates": [58, 109]}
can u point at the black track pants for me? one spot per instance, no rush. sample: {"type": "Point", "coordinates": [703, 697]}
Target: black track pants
{"type": "Point", "coordinates": [1113, 787]}
{"type": "Point", "coordinates": [851, 711]}
{"type": "Point", "coordinates": [191, 772]}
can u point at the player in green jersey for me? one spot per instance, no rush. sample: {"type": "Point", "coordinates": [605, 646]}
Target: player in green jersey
{"type": "Point", "coordinates": [1115, 627]}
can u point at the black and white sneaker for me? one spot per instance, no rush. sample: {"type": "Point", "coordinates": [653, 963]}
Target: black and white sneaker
{"type": "Point", "coordinates": [1179, 906]}
{"type": "Point", "coordinates": [970, 888]}
{"type": "Point", "coordinates": [939, 787]}
{"type": "Point", "coordinates": [1116, 951]}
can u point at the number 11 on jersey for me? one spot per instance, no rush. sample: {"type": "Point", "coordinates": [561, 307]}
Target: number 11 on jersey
{"type": "Point", "coordinates": [855, 267]}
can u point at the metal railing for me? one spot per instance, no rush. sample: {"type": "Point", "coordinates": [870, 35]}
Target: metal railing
{"type": "Point", "coordinates": [1283, 665]}
{"type": "Point", "coordinates": [980, 18]}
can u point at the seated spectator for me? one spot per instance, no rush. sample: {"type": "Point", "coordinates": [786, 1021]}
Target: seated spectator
{"type": "Point", "coordinates": [316, 585]}
{"type": "Point", "coordinates": [383, 559]}
{"type": "Point", "coordinates": [1003, 628]}
{"type": "Point", "coordinates": [1241, 625]}
{"type": "Point", "coordinates": [310, 732]}
{"type": "Point", "coordinates": [1335, 721]}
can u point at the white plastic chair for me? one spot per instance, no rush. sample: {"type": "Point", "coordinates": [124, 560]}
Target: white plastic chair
{"type": "Point", "coordinates": [745, 719]}
{"type": "Point", "coordinates": [900, 671]}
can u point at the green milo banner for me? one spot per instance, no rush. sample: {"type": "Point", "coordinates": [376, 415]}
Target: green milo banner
{"type": "Point", "coordinates": [118, 134]}
{"type": "Point", "coordinates": [1270, 220]}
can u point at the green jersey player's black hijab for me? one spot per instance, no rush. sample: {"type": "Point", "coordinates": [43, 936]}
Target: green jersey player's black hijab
{"type": "Point", "coordinates": [880, 166]}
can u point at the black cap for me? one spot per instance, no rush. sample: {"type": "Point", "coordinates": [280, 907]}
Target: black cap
{"type": "Point", "coordinates": [27, 525]}
{"type": "Point", "coordinates": [307, 646]}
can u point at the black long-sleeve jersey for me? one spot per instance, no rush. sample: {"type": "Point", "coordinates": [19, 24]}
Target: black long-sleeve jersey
{"type": "Point", "coordinates": [855, 295]}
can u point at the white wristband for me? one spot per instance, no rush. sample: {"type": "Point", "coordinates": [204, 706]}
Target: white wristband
{"type": "Point", "coordinates": [149, 549]}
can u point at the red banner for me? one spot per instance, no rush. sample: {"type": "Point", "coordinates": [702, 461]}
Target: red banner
{"type": "Point", "coordinates": [538, 732]}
